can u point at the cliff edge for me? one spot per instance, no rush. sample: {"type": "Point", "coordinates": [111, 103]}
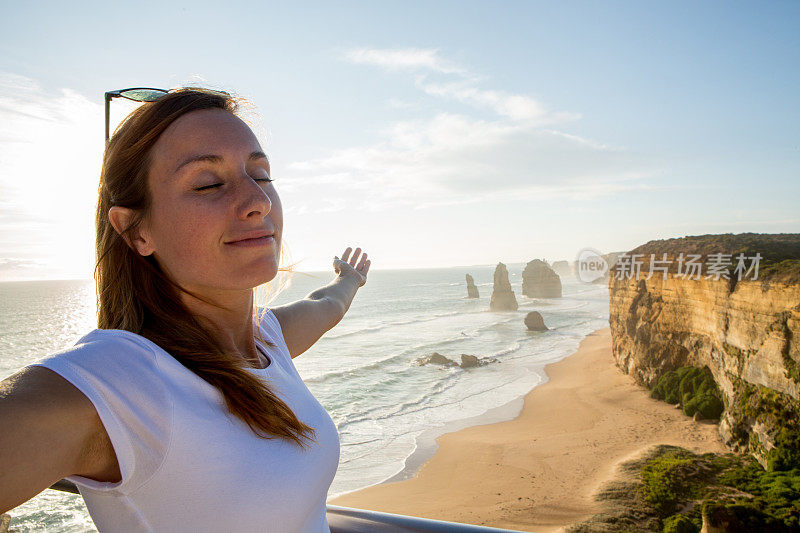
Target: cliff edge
{"type": "Point", "coordinates": [740, 317]}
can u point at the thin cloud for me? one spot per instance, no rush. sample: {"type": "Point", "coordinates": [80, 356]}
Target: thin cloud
{"type": "Point", "coordinates": [403, 59]}
{"type": "Point", "coordinates": [400, 104]}
{"type": "Point", "coordinates": [15, 264]}
{"type": "Point", "coordinates": [456, 158]}
{"type": "Point", "coordinates": [516, 107]}
{"type": "Point", "coordinates": [458, 83]}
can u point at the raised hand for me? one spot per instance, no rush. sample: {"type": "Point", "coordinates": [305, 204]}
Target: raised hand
{"type": "Point", "coordinates": [346, 266]}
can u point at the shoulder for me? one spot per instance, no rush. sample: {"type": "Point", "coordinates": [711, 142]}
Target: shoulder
{"type": "Point", "coordinates": [41, 387]}
{"type": "Point", "coordinates": [272, 329]}
{"type": "Point", "coordinates": [99, 349]}
{"type": "Point", "coordinates": [110, 350]}
{"type": "Point", "coordinates": [269, 320]}
{"type": "Point", "coordinates": [99, 361]}
{"type": "Point", "coordinates": [130, 404]}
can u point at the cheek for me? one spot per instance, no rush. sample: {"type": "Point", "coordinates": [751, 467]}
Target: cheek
{"type": "Point", "coordinates": [187, 234]}
{"type": "Point", "coordinates": [276, 212]}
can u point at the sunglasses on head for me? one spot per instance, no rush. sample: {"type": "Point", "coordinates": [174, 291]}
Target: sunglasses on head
{"type": "Point", "coordinates": [139, 94]}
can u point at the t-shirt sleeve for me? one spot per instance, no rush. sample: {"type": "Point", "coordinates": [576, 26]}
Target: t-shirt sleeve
{"type": "Point", "coordinates": [271, 330]}
{"type": "Point", "coordinates": [121, 378]}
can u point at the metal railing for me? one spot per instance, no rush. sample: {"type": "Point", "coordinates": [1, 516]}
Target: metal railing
{"type": "Point", "coordinates": [350, 520]}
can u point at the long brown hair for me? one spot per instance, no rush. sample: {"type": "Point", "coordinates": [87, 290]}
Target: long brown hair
{"type": "Point", "coordinates": [134, 293]}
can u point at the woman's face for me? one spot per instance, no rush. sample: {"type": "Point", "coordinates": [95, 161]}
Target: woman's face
{"type": "Point", "coordinates": [209, 181]}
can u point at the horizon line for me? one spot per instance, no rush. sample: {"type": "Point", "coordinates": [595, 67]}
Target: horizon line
{"type": "Point", "coordinates": [304, 271]}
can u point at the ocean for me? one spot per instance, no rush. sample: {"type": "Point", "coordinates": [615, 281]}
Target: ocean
{"type": "Point", "coordinates": [388, 409]}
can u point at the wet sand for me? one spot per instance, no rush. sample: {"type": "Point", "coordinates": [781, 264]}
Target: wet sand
{"type": "Point", "coordinates": [539, 471]}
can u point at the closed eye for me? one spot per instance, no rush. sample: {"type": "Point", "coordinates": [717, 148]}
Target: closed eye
{"type": "Point", "coordinates": [268, 180]}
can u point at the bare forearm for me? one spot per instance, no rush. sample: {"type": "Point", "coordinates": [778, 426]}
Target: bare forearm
{"type": "Point", "coordinates": [340, 291]}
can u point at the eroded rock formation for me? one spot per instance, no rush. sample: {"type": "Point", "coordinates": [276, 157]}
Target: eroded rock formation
{"type": "Point", "coordinates": [472, 290]}
{"type": "Point", "coordinates": [467, 361]}
{"type": "Point", "coordinates": [503, 298]}
{"type": "Point", "coordinates": [535, 322]}
{"type": "Point", "coordinates": [562, 268]}
{"type": "Point", "coordinates": [437, 359]}
{"type": "Point", "coordinates": [540, 281]}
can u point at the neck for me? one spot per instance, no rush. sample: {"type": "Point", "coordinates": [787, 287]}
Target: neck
{"type": "Point", "coordinates": [229, 320]}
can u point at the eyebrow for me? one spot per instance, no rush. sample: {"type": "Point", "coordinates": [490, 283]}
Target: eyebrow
{"type": "Point", "coordinates": [211, 158]}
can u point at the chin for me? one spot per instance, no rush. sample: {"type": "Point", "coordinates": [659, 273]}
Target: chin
{"type": "Point", "coordinates": [253, 273]}
{"type": "Point", "coordinates": [264, 275]}
{"type": "Point", "coordinates": [265, 279]}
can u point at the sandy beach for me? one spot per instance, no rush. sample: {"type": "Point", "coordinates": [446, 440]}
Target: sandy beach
{"type": "Point", "coordinates": [539, 471]}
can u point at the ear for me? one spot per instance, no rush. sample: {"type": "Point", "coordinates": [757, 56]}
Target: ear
{"type": "Point", "coordinates": [138, 239]}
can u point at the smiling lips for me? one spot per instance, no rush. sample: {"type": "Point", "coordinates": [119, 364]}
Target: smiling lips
{"type": "Point", "coordinates": [260, 241]}
{"type": "Point", "coordinates": [254, 238]}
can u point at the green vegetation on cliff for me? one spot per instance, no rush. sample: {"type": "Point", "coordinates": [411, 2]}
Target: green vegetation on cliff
{"type": "Point", "coordinates": [786, 453]}
{"type": "Point", "coordinates": [682, 486]}
{"type": "Point", "coordinates": [671, 478]}
{"type": "Point", "coordinates": [673, 490]}
{"type": "Point", "coordinates": [777, 412]}
{"type": "Point", "coordinates": [694, 388]}
{"type": "Point", "coordinates": [788, 269]}
{"type": "Point", "coordinates": [781, 326]}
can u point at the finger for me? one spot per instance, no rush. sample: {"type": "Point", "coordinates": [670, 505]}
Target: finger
{"type": "Point", "coordinates": [355, 257]}
{"type": "Point", "coordinates": [346, 254]}
{"type": "Point", "coordinates": [366, 267]}
{"type": "Point", "coordinates": [361, 263]}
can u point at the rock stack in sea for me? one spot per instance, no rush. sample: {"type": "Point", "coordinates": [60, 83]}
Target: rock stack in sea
{"type": "Point", "coordinates": [472, 290]}
{"type": "Point", "coordinates": [503, 298]}
{"type": "Point", "coordinates": [540, 281]}
{"type": "Point", "coordinates": [562, 268]}
{"type": "Point", "coordinates": [535, 322]}
{"type": "Point", "coordinates": [467, 361]}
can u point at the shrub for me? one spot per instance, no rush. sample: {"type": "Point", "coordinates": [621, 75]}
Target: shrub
{"type": "Point", "coordinates": [786, 453]}
{"type": "Point", "coordinates": [667, 388]}
{"type": "Point", "coordinates": [694, 388]}
{"type": "Point", "coordinates": [666, 480]}
{"type": "Point", "coordinates": [707, 404]}
{"type": "Point", "coordinates": [680, 523]}
{"type": "Point", "coordinates": [729, 488]}
{"type": "Point", "coordinates": [775, 501]}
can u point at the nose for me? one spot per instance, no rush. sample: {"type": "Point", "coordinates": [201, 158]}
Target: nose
{"type": "Point", "coordinates": [253, 201]}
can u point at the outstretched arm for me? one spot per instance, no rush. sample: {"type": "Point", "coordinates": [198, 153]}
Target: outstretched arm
{"type": "Point", "coordinates": [303, 322]}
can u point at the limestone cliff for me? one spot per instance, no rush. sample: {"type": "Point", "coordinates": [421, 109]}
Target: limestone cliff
{"type": "Point", "coordinates": [746, 331]}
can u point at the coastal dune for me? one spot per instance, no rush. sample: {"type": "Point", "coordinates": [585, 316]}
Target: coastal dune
{"type": "Point", "coordinates": [539, 471]}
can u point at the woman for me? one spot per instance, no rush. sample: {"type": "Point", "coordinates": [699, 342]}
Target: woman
{"type": "Point", "coordinates": [183, 411]}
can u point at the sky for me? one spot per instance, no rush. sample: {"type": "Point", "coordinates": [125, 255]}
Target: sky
{"type": "Point", "coordinates": [430, 134]}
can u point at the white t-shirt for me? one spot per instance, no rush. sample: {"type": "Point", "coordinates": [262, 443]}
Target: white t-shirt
{"type": "Point", "coordinates": [187, 464]}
